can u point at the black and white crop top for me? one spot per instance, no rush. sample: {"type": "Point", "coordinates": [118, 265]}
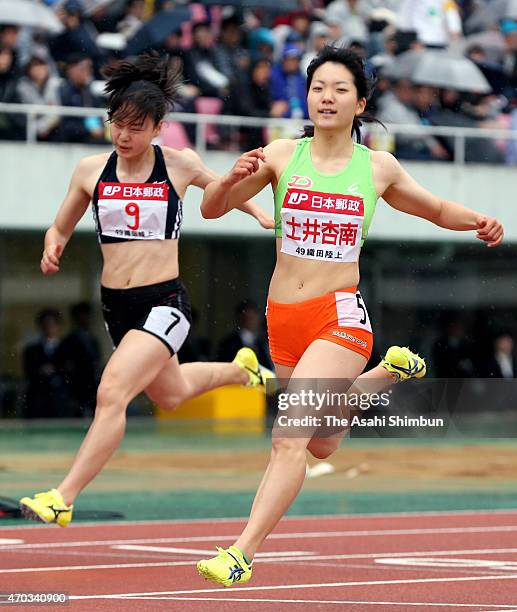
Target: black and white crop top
{"type": "Point", "coordinates": [136, 211]}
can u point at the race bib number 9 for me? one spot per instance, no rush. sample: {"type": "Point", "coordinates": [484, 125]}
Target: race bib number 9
{"type": "Point", "coordinates": [322, 226]}
{"type": "Point", "coordinates": [135, 211]}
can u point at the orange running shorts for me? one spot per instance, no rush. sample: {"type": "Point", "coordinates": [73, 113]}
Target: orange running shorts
{"type": "Point", "coordinates": [338, 317]}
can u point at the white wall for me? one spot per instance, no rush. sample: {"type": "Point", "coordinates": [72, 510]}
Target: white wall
{"type": "Point", "coordinates": [34, 179]}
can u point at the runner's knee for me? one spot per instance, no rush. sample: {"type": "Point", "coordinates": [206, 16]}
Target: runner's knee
{"type": "Point", "coordinates": [287, 446]}
{"type": "Point", "coordinates": [321, 449]}
{"type": "Point", "coordinates": [172, 399]}
{"type": "Point", "coordinates": [110, 395]}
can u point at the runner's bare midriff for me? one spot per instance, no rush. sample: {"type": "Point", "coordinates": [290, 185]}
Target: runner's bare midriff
{"type": "Point", "coordinates": [139, 263]}
{"type": "Point", "coordinates": [296, 280]}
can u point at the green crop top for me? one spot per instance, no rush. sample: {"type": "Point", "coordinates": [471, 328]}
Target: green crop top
{"type": "Point", "coordinates": [325, 216]}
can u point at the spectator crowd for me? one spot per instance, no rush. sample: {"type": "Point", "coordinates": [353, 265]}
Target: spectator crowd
{"type": "Point", "coordinates": [252, 62]}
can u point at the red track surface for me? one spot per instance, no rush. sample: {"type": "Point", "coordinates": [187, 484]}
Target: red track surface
{"type": "Point", "coordinates": [400, 563]}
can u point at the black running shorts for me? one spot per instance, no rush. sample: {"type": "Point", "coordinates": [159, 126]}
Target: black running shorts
{"type": "Point", "coordinates": [162, 310]}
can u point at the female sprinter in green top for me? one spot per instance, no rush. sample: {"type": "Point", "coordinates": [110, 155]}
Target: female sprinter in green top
{"type": "Point", "coordinates": [326, 187]}
{"type": "Point", "coordinates": [137, 196]}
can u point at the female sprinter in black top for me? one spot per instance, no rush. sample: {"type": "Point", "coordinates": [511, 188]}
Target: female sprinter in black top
{"type": "Point", "coordinates": [136, 193]}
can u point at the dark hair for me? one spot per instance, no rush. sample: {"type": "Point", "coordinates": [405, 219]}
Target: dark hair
{"type": "Point", "coordinates": [146, 87]}
{"type": "Point", "coordinates": [355, 64]}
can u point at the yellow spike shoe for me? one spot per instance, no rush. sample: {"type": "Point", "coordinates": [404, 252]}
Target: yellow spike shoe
{"type": "Point", "coordinates": [47, 507]}
{"type": "Point", "coordinates": [227, 568]}
{"type": "Point", "coordinates": [248, 361]}
{"type": "Point", "coordinates": [403, 363]}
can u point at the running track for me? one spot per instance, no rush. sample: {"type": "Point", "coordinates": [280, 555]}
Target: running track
{"type": "Point", "coordinates": [405, 563]}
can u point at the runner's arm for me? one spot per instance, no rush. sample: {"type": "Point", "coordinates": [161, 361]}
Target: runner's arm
{"type": "Point", "coordinates": [405, 194]}
{"type": "Point", "coordinates": [246, 179]}
{"type": "Point", "coordinates": [69, 214]}
{"type": "Point", "coordinates": [204, 177]}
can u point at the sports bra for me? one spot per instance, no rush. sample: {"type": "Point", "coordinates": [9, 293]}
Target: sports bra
{"type": "Point", "coordinates": [136, 211]}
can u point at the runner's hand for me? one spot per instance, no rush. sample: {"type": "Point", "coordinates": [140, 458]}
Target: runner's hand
{"type": "Point", "coordinates": [50, 261]}
{"type": "Point", "coordinates": [266, 221]}
{"type": "Point", "coordinates": [246, 165]}
{"type": "Point", "coordinates": [489, 230]}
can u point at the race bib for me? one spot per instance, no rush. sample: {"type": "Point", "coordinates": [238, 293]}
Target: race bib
{"type": "Point", "coordinates": [322, 226]}
{"type": "Point", "coordinates": [136, 211]}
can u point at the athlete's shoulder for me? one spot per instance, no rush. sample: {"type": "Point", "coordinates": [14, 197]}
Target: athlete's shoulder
{"type": "Point", "coordinates": [92, 162]}
{"type": "Point", "coordinates": [385, 161]}
{"type": "Point", "coordinates": [183, 157]}
{"type": "Point", "coordinates": [281, 146]}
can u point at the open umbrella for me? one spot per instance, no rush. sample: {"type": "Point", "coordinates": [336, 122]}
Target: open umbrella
{"type": "Point", "coordinates": [491, 41]}
{"type": "Point", "coordinates": [28, 13]}
{"type": "Point", "coordinates": [156, 30]}
{"type": "Point", "coordinates": [439, 69]}
{"type": "Point", "coordinates": [403, 65]}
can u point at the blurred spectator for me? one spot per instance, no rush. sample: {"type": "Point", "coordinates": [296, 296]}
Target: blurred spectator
{"type": "Point", "coordinates": [397, 106]}
{"type": "Point", "coordinates": [288, 85]}
{"type": "Point", "coordinates": [493, 72]}
{"type": "Point", "coordinates": [511, 151]}
{"type": "Point", "coordinates": [231, 58]}
{"type": "Point", "coordinates": [262, 44]}
{"type": "Point", "coordinates": [195, 347]}
{"type": "Point", "coordinates": [45, 393]}
{"type": "Point", "coordinates": [436, 22]}
{"type": "Point", "coordinates": [80, 360]}
{"type": "Point", "coordinates": [133, 19]}
{"type": "Point", "coordinates": [452, 353]}
{"type": "Point", "coordinates": [12, 127]}
{"type": "Point", "coordinates": [9, 40]}
{"type": "Point", "coordinates": [319, 37]}
{"type": "Point", "coordinates": [200, 64]}
{"type": "Point", "coordinates": [502, 362]}
{"type": "Point", "coordinates": [247, 333]}
{"type": "Point", "coordinates": [75, 91]}
{"type": "Point", "coordinates": [351, 15]}
{"type": "Point", "coordinates": [509, 31]}
{"type": "Point", "coordinates": [335, 27]}
{"type": "Point", "coordinates": [425, 101]}
{"type": "Point", "coordinates": [251, 97]}
{"type": "Point", "coordinates": [38, 86]}
{"type": "Point", "coordinates": [78, 36]}
{"type": "Point", "coordinates": [455, 111]}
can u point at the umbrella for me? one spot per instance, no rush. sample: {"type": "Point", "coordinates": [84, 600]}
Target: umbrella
{"type": "Point", "coordinates": [491, 14]}
{"type": "Point", "coordinates": [403, 66]}
{"type": "Point", "coordinates": [439, 69]}
{"type": "Point", "coordinates": [491, 41]}
{"type": "Point", "coordinates": [28, 13]}
{"type": "Point", "coordinates": [156, 30]}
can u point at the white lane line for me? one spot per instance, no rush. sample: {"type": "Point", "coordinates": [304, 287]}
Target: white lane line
{"type": "Point", "coordinates": [491, 564]}
{"type": "Point", "coordinates": [198, 551]}
{"type": "Point", "coordinates": [309, 586]}
{"type": "Point", "coordinates": [274, 536]}
{"type": "Point", "coordinates": [326, 601]}
{"type": "Point", "coordinates": [10, 541]}
{"type": "Point", "coordinates": [24, 570]}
